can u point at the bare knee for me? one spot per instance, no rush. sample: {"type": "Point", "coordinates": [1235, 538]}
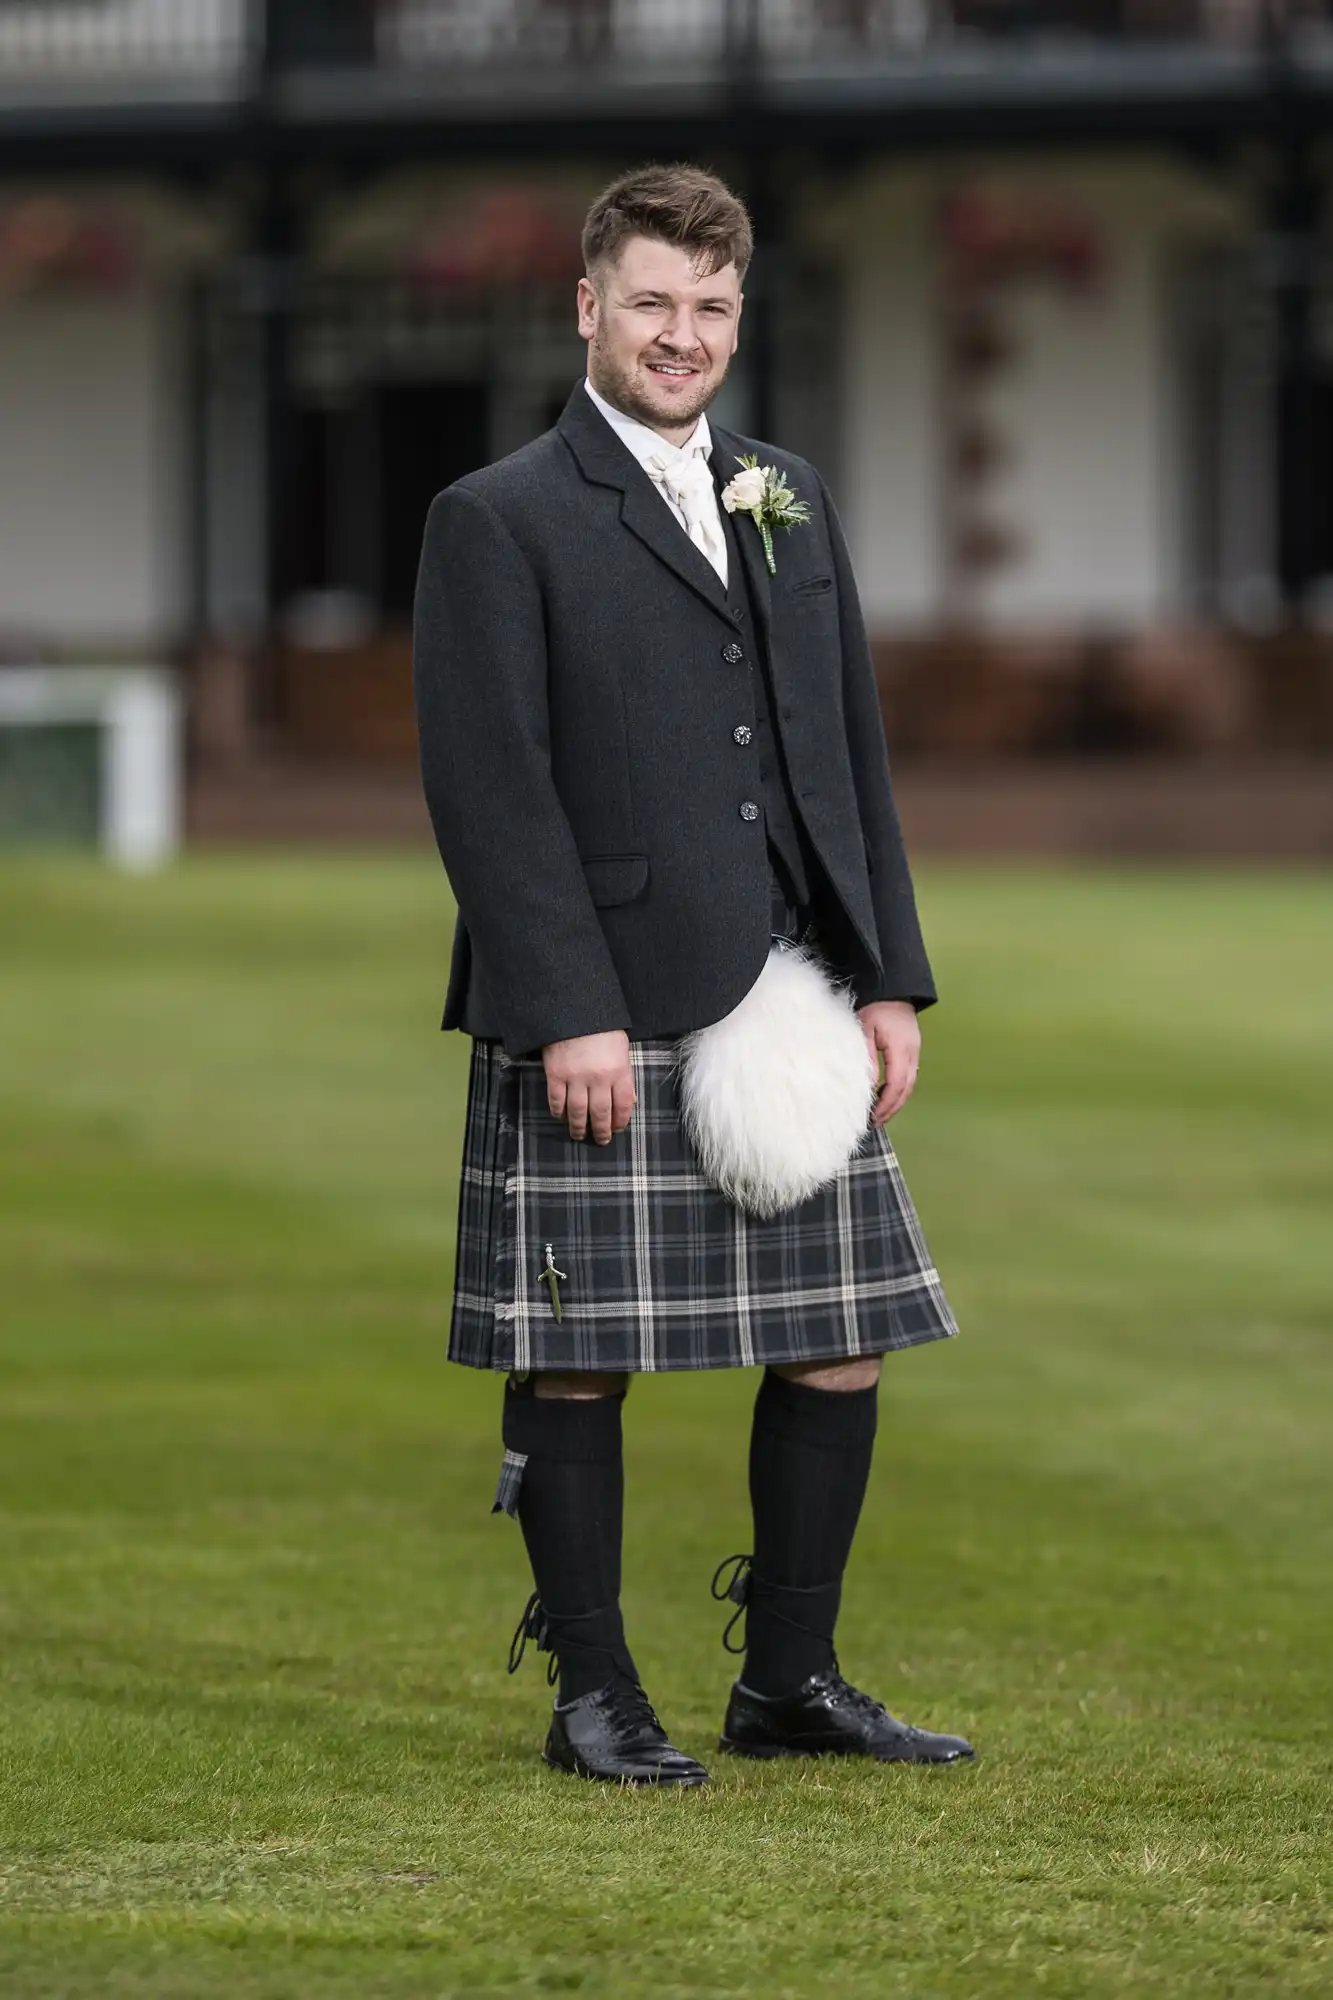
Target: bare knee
{"type": "Point", "coordinates": [581, 1387]}
{"type": "Point", "coordinates": [860, 1372]}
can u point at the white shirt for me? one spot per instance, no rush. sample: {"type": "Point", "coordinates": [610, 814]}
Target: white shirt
{"type": "Point", "coordinates": [646, 444]}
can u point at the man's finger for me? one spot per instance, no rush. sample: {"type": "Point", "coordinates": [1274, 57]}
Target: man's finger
{"type": "Point", "coordinates": [891, 1092]}
{"type": "Point", "coordinates": [576, 1110]}
{"type": "Point", "coordinates": [599, 1113]}
{"type": "Point", "coordinates": [622, 1101]}
{"type": "Point", "coordinates": [555, 1097]}
{"type": "Point", "coordinates": [896, 1092]}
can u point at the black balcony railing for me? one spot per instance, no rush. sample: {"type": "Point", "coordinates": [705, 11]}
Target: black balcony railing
{"type": "Point", "coordinates": [68, 48]}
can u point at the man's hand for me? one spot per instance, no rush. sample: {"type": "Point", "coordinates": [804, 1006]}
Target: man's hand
{"type": "Point", "coordinates": [892, 1026]}
{"type": "Point", "coordinates": [589, 1084]}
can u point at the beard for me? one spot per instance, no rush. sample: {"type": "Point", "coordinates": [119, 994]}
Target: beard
{"type": "Point", "coordinates": [625, 387]}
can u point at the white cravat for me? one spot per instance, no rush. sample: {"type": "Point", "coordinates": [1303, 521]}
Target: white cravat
{"type": "Point", "coordinates": [700, 518]}
{"type": "Point", "coordinates": [686, 477]}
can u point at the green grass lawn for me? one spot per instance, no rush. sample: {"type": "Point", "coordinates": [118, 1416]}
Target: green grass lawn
{"type": "Point", "coordinates": [258, 1738]}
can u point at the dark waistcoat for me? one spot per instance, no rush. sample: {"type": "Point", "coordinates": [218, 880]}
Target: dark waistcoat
{"type": "Point", "coordinates": [790, 850]}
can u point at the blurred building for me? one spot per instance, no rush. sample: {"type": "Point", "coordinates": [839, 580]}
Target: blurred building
{"type": "Point", "coordinates": [1044, 287]}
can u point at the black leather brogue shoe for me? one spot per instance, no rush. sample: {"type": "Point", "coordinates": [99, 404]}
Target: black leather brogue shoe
{"type": "Point", "coordinates": [614, 1734]}
{"type": "Point", "coordinates": [828, 1718]}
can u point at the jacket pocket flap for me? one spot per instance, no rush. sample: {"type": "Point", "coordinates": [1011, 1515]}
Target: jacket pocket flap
{"type": "Point", "coordinates": [615, 878]}
{"type": "Point", "coordinates": [810, 586]}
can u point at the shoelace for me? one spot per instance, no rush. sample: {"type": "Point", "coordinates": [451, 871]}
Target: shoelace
{"type": "Point", "coordinates": [866, 1703]}
{"type": "Point", "coordinates": [739, 1573]}
{"type": "Point", "coordinates": [737, 1590]}
{"type": "Point", "coordinates": [634, 1709]}
{"type": "Point", "coordinates": [532, 1625]}
{"type": "Point", "coordinates": [635, 1706]}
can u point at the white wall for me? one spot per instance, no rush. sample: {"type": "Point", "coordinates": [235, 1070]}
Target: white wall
{"type": "Point", "coordinates": [1093, 489]}
{"type": "Point", "coordinates": [92, 512]}
{"type": "Point", "coordinates": [1094, 485]}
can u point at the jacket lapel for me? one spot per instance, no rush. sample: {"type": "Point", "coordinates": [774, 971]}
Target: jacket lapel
{"type": "Point", "coordinates": [726, 454]}
{"type": "Point", "coordinates": [646, 514]}
{"type": "Point", "coordinates": [604, 460]}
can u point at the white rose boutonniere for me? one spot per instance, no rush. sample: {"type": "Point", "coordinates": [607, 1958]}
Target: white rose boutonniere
{"type": "Point", "coordinates": [762, 492]}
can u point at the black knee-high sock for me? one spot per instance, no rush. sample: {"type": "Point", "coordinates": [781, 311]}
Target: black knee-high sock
{"type": "Point", "coordinates": [810, 1453]}
{"type": "Point", "coordinates": [571, 1509]}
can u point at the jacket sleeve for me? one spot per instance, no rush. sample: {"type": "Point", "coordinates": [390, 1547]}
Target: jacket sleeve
{"type": "Point", "coordinates": [907, 974]}
{"type": "Point", "coordinates": [479, 671]}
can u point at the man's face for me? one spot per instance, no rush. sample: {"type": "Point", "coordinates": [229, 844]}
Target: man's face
{"type": "Point", "coordinates": [659, 335]}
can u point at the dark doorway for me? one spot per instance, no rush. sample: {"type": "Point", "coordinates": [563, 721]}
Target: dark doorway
{"type": "Point", "coordinates": [307, 558]}
{"type": "Point", "coordinates": [430, 434]}
{"type": "Point", "coordinates": [1305, 543]}
{"type": "Point", "coordinates": [1321, 505]}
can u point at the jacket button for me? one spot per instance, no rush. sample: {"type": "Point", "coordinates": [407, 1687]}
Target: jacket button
{"type": "Point", "coordinates": [749, 810]}
{"type": "Point", "coordinates": [733, 654]}
{"type": "Point", "coordinates": [741, 733]}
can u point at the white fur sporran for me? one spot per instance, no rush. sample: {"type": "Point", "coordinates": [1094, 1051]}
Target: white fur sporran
{"type": "Point", "coordinates": [775, 1097]}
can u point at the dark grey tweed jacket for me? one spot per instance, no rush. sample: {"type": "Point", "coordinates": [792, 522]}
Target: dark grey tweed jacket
{"type": "Point", "coordinates": [580, 696]}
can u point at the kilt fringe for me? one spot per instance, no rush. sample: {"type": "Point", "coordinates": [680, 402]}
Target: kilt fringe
{"type": "Point", "coordinates": [510, 1483]}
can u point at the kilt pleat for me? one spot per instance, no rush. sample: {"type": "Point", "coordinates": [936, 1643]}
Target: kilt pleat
{"type": "Point", "coordinates": [660, 1270]}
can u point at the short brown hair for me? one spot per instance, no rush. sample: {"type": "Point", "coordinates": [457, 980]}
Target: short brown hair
{"type": "Point", "coordinates": [682, 205]}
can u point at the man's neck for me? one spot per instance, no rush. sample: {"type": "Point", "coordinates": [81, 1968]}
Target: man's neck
{"type": "Point", "coordinates": [674, 434]}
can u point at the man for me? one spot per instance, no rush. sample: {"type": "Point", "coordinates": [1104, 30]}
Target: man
{"type": "Point", "coordinates": [645, 756]}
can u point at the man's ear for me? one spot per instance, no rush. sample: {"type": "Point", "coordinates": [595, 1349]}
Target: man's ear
{"type": "Point", "coordinates": [589, 307]}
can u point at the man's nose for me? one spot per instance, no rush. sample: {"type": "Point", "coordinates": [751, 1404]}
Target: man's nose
{"type": "Point", "coordinates": [680, 330]}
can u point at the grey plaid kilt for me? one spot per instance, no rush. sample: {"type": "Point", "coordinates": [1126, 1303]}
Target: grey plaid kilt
{"type": "Point", "coordinates": [658, 1269]}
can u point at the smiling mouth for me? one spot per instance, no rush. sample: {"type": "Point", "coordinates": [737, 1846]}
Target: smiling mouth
{"type": "Point", "coordinates": [673, 370]}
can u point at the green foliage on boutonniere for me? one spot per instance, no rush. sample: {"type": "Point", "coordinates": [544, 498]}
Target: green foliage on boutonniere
{"type": "Point", "coordinates": [762, 492]}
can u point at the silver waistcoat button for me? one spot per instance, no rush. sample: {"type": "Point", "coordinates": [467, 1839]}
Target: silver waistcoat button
{"type": "Point", "coordinates": [741, 733]}
{"type": "Point", "coordinates": [749, 810]}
